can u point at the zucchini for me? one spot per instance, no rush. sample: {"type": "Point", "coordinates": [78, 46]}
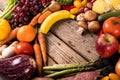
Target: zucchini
{"type": "Point", "coordinates": [107, 15]}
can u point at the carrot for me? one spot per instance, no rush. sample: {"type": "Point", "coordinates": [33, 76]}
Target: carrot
{"type": "Point", "coordinates": [11, 36]}
{"type": "Point", "coordinates": [34, 20]}
{"type": "Point", "coordinates": [38, 56]}
{"type": "Point", "coordinates": [44, 16]}
{"type": "Point", "coordinates": [41, 39]}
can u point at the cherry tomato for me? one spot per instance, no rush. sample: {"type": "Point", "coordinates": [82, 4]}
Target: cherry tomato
{"type": "Point", "coordinates": [112, 26]}
{"type": "Point", "coordinates": [114, 76]}
{"type": "Point", "coordinates": [24, 48]}
{"type": "Point", "coordinates": [105, 78]}
{"type": "Point", "coordinates": [111, 76]}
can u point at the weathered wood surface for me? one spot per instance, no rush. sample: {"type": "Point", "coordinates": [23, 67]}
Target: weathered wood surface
{"type": "Point", "coordinates": [65, 44]}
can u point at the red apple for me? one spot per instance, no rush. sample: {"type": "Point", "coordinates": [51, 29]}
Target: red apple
{"type": "Point", "coordinates": [106, 45]}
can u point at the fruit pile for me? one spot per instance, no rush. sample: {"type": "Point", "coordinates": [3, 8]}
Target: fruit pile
{"type": "Point", "coordinates": [22, 37]}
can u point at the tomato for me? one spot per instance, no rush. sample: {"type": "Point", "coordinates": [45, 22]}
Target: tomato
{"type": "Point", "coordinates": [112, 26]}
{"type": "Point", "coordinates": [23, 48]}
{"type": "Point", "coordinates": [117, 67]}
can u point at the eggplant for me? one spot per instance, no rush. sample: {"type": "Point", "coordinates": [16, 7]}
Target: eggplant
{"type": "Point", "coordinates": [19, 67]}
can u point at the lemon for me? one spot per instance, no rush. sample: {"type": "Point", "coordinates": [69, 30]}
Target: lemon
{"type": "Point", "coordinates": [115, 4]}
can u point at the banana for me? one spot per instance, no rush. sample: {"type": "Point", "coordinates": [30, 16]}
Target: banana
{"type": "Point", "coordinates": [53, 18]}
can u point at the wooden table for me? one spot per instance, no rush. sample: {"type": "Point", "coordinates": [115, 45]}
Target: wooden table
{"type": "Point", "coordinates": [65, 44]}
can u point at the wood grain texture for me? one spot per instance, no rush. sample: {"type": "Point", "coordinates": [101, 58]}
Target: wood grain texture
{"type": "Point", "coordinates": [51, 61]}
{"type": "Point", "coordinates": [61, 52]}
{"type": "Point", "coordinates": [65, 44]}
{"type": "Point", "coordinates": [68, 32]}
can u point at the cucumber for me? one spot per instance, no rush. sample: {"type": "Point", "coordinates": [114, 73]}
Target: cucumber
{"type": "Point", "coordinates": [65, 2]}
{"type": "Point", "coordinates": [107, 15]}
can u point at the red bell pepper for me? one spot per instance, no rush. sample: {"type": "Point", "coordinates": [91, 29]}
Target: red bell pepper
{"type": "Point", "coordinates": [68, 7]}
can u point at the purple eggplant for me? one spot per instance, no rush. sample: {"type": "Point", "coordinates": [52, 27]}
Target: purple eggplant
{"type": "Point", "coordinates": [19, 67]}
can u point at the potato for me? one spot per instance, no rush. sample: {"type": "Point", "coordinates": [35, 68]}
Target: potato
{"type": "Point", "coordinates": [92, 75]}
{"type": "Point", "coordinates": [87, 76]}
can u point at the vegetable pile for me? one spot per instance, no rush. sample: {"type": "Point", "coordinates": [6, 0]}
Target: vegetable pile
{"type": "Point", "coordinates": [25, 23]}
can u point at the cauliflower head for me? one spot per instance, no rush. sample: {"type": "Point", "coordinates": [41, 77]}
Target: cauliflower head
{"type": "Point", "coordinates": [115, 4]}
{"type": "Point", "coordinates": [101, 6]}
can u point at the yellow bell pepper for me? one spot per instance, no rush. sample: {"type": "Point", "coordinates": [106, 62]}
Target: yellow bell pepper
{"type": "Point", "coordinates": [5, 28]}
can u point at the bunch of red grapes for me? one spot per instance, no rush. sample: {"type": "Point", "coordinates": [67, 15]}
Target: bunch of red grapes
{"type": "Point", "coordinates": [24, 11]}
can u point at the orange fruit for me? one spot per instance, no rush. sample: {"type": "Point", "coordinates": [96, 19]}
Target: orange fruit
{"type": "Point", "coordinates": [26, 33]}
